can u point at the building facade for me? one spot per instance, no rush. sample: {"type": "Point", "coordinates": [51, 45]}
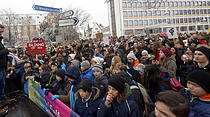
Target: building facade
{"type": "Point", "coordinates": [135, 17]}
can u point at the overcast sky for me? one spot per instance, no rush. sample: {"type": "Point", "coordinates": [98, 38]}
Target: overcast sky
{"type": "Point", "coordinates": [97, 8]}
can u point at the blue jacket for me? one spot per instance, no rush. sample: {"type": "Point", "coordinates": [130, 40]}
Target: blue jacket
{"type": "Point", "coordinates": [199, 107]}
{"type": "Point", "coordinates": [88, 108]}
{"type": "Point", "coordinates": [119, 110]}
{"type": "Point", "coordinates": [88, 74]}
{"type": "Point", "coordinates": [98, 55]}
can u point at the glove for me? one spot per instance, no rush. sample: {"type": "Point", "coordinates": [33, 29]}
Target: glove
{"type": "Point", "coordinates": [55, 96]}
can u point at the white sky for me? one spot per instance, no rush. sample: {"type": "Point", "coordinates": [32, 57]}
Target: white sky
{"type": "Point", "coordinates": [97, 8]}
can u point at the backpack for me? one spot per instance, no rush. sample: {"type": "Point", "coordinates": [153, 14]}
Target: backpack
{"type": "Point", "coordinates": [142, 98]}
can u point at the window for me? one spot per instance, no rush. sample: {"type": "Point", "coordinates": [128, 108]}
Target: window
{"type": "Point", "coordinates": [140, 13]}
{"type": "Point", "coordinates": [135, 22]}
{"type": "Point", "coordinates": [154, 13]}
{"type": "Point", "coordinates": [158, 4]}
{"type": "Point", "coordinates": [198, 19]}
{"type": "Point", "coordinates": [155, 21]}
{"type": "Point", "coordinates": [149, 13]}
{"type": "Point", "coordinates": [192, 3]}
{"type": "Point", "coordinates": [164, 21]}
{"type": "Point", "coordinates": [204, 3]}
{"type": "Point", "coordinates": [153, 4]}
{"type": "Point", "coordinates": [185, 12]}
{"type": "Point", "coordinates": [134, 4]}
{"type": "Point", "coordinates": [139, 5]}
{"type": "Point", "coordinates": [150, 22]}
{"type": "Point", "coordinates": [174, 21]}
{"type": "Point", "coordinates": [189, 20]}
{"type": "Point", "coordinates": [125, 14]}
{"type": "Point", "coordinates": [143, 4]}
{"type": "Point", "coordinates": [125, 22]}
{"type": "Point", "coordinates": [193, 12]}
{"type": "Point", "coordinates": [158, 12]}
{"type": "Point", "coordinates": [208, 3]}
{"type": "Point", "coordinates": [171, 12]}
{"type": "Point", "coordinates": [130, 22]}
{"type": "Point", "coordinates": [181, 12]}
{"type": "Point", "coordinates": [159, 21]}
{"type": "Point", "coordinates": [176, 12]}
{"type": "Point", "coordinates": [188, 3]}
{"type": "Point", "coordinates": [189, 12]}
{"type": "Point", "coordinates": [124, 5]}
{"type": "Point", "coordinates": [162, 4]}
{"type": "Point", "coordinates": [140, 22]}
{"type": "Point", "coordinates": [179, 3]}
{"type": "Point", "coordinates": [175, 4]}
{"type": "Point", "coordinates": [181, 20]}
{"type": "Point", "coordinates": [192, 28]}
{"type": "Point", "coordinates": [193, 20]}
{"type": "Point", "coordinates": [201, 11]}
{"type": "Point", "coordinates": [135, 14]}
{"type": "Point", "coordinates": [205, 11]}
{"type": "Point", "coordinates": [166, 4]}
{"type": "Point", "coordinates": [183, 3]}
{"type": "Point", "coordinates": [130, 14]}
{"type": "Point", "coordinates": [145, 22]}
{"type": "Point", "coordinates": [208, 11]}
{"type": "Point", "coordinates": [185, 20]}
{"type": "Point", "coordinates": [171, 4]}
{"type": "Point", "coordinates": [168, 21]}
{"type": "Point", "coordinates": [129, 5]}
{"type": "Point", "coordinates": [197, 11]}
{"type": "Point", "coordinates": [144, 13]}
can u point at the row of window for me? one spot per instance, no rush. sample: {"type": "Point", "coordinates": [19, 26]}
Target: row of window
{"type": "Point", "coordinates": [135, 4]}
{"type": "Point", "coordinates": [165, 12]}
{"type": "Point", "coordinates": [158, 30]}
{"type": "Point", "coordinates": [165, 21]}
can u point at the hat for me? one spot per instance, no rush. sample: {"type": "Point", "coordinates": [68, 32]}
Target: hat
{"type": "Point", "coordinates": [144, 52]}
{"type": "Point", "coordinates": [205, 51]}
{"type": "Point", "coordinates": [72, 56]}
{"type": "Point", "coordinates": [202, 78]}
{"type": "Point", "coordinates": [97, 67]}
{"type": "Point", "coordinates": [61, 73]}
{"type": "Point", "coordinates": [117, 82]}
{"type": "Point", "coordinates": [73, 72]}
{"type": "Point", "coordinates": [167, 52]}
{"type": "Point", "coordinates": [86, 85]}
{"type": "Point", "coordinates": [98, 60]}
{"type": "Point", "coordinates": [54, 63]}
{"type": "Point", "coordinates": [75, 63]}
{"type": "Point", "coordinates": [85, 64]}
{"type": "Point", "coordinates": [131, 55]}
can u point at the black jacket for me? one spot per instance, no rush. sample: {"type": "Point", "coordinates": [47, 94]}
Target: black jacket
{"type": "Point", "coordinates": [3, 55]}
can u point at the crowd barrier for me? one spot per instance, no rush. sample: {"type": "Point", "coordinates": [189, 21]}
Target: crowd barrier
{"type": "Point", "coordinates": [54, 108]}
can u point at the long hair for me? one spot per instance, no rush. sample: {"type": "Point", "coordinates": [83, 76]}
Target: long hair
{"type": "Point", "coordinates": [163, 61]}
{"type": "Point", "coordinates": [116, 60]}
{"type": "Point", "coordinates": [121, 97]}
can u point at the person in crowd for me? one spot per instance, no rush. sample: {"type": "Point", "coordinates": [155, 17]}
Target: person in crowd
{"type": "Point", "coordinates": [167, 62]}
{"type": "Point", "coordinates": [115, 60]}
{"type": "Point", "coordinates": [54, 68]}
{"type": "Point", "coordinates": [167, 106]}
{"type": "Point", "coordinates": [3, 66]}
{"type": "Point", "coordinates": [61, 64]}
{"type": "Point", "coordinates": [96, 60]}
{"type": "Point", "coordinates": [73, 74]}
{"type": "Point", "coordinates": [87, 99]}
{"type": "Point", "coordinates": [146, 57]}
{"type": "Point", "coordinates": [100, 80]}
{"type": "Point", "coordinates": [108, 55]}
{"type": "Point", "coordinates": [75, 63]}
{"type": "Point", "coordinates": [44, 75]}
{"type": "Point", "coordinates": [134, 62]}
{"type": "Point", "coordinates": [86, 71]}
{"type": "Point", "coordinates": [59, 86]}
{"type": "Point", "coordinates": [202, 57]}
{"type": "Point", "coordinates": [118, 102]}
{"type": "Point", "coordinates": [97, 53]}
{"type": "Point", "coordinates": [198, 93]}
{"type": "Point", "coordinates": [65, 56]}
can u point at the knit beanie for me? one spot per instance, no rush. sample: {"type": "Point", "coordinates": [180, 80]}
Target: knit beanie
{"type": "Point", "coordinates": [97, 67]}
{"type": "Point", "coordinates": [98, 60]}
{"type": "Point", "coordinates": [75, 63]}
{"type": "Point", "coordinates": [85, 64]}
{"type": "Point", "coordinates": [86, 85]}
{"type": "Point", "coordinates": [167, 52]}
{"type": "Point", "coordinates": [202, 78]}
{"type": "Point", "coordinates": [54, 63]}
{"type": "Point", "coordinates": [131, 55]}
{"type": "Point", "coordinates": [61, 73]}
{"type": "Point", "coordinates": [144, 52]}
{"type": "Point", "coordinates": [205, 51]}
{"type": "Point", "coordinates": [117, 82]}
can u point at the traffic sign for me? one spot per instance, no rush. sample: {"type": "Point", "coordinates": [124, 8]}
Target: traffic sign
{"type": "Point", "coordinates": [68, 13]}
{"type": "Point", "coordinates": [47, 9]}
{"type": "Point", "coordinates": [69, 22]}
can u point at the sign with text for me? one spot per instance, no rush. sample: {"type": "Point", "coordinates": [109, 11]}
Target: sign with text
{"type": "Point", "coordinates": [45, 8]}
{"type": "Point", "coordinates": [36, 48]}
{"type": "Point", "coordinates": [69, 22]}
{"type": "Point", "coordinates": [171, 33]}
{"type": "Point", "coordinates": [37, 40]}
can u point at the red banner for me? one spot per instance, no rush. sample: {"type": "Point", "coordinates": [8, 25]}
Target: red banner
{"type": "Point", "coordinates": [36, 48]}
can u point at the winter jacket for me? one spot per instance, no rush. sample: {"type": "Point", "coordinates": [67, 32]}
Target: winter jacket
{"type": "Point", "coordinates": [170, 67]}
{"type": "Point", "coordinates": [101, 83]}
{"type": "Point", "coordinates": [199, 105]}
{"type": "Point", "coordinates": [108, 61]}
{"type": "Point", "coordinates": [44, 79]}
{"type": "Point", "coordinates": [72, 87]}
{"type": "Point", "coordinates": [3, 55]}
{"type": "Point", "coordinates": [88, 108]}
{"type": "Point", "coordinates": [87, 74]}
{"type": "Point", "coordinates": [206, 68]}
{"type": "Point", "coordinates": [98, 55]}
{"type": "Point", "coordinates": [127, 108]}
{"type": "Point", "coordinates": [59, 88]}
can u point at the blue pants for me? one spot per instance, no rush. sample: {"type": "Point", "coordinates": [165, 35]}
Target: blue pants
{"type": "Point", "coordinates": [2, 85]}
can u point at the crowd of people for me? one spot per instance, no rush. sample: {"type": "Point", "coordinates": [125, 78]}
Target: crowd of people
{"type": "Point", "coordinates": [132, 76]}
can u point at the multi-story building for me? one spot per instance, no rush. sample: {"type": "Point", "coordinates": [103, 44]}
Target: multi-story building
{"type": "Point", "coordinates": [133, 17]}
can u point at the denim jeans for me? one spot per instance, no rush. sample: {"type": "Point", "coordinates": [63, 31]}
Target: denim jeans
{"type": "Point", "coordinates": [2, 85]}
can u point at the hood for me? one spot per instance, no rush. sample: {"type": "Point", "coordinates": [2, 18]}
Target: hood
{"type": "Point", "coordinates": [171, 58]}
{"type": "Point", "coordinates": [95, 93]}
{"type": "Point", "coordinates": [73, 72]}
